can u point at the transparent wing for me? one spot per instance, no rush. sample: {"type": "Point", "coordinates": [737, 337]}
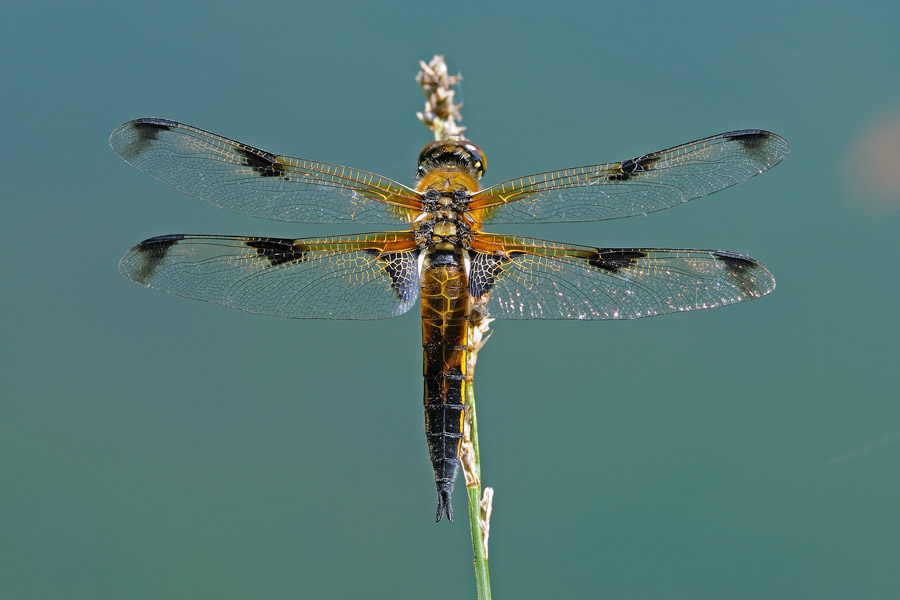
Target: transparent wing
{"type": "Point", "coordinates": [254, 182]}
{"type": "Point", "coordinates": [373, 276]}
{"type": "Point", "coordinates": [520, 278]}
{"type": "Point", "coordinates": [641, 185]}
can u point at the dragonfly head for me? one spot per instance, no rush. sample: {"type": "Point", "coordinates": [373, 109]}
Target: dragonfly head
{"type": "Point", "coordinates": [451, 152]}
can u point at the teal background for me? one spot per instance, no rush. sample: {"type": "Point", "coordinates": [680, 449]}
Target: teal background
{"type": "Point", "coordinates": [155, 447]}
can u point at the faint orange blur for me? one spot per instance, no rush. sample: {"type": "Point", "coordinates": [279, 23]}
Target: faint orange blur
{"type": "Point", "coordinates": [873, 176]}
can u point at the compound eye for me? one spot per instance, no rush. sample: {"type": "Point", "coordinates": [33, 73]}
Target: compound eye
{"type": "Point", "coordinates": [478, 161]}
{"type": "Point", "coordinates": [456, 151]}
{"type": "Point", "coordinates": [429, 151]}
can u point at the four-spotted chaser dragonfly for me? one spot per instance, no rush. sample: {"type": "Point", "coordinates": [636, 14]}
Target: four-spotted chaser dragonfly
{"type": "Point", "coordinates": [442, 254]}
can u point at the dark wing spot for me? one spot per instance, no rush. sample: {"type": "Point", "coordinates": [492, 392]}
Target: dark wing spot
{"type": "Point", "coordinates": [633, 166]}
{"type": "Point", "coordinates": [146, 131]}
{"type": "Point", "coordinates": [613, 260]}
{"type": "Point", "coordinates": [734, 263]}
{"type": "Point", "coordinates": [402, 268]}
{"type": "Point", "coordinates": [263, 163]}
{"type": "Point", "coordinates": [278, 251]}
{"type": "Point", "coordinates": [753, 278]}
{"type": "Point", "coordinates": [484, 269]}
{"type": "Point", "coordinates": [754, 141]}
{"type": "Point", "coordinates": [150, 128]}
{"type": "Point", "coordinates": [150, 253]}
{"type": "Point", "coordinates": [749, 134]}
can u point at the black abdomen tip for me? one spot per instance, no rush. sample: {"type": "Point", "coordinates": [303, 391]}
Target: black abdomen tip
{"type": "Point", "coordinates": [444, 506]}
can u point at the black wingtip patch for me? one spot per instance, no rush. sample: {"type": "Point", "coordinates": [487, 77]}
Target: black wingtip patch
{"type": "Point", "coordinates": [151, 126]}
{"type": "Point", "coordinates": [161, 241]}
{"type": "Point", "coordinates": [751, 139]}
{"type": "Point", "coordinates": [753, 278]}
{"type": "Point", "coordinates": [763, 146]}
{"type": "Point", "coordinates": [747, 134]}
{"type": "Point", "coordinates": [263, 163]}
{"type": "Point", "coordinates": [143, 260]}
{"type": "Point", "coordinates": [614, 260]}
{"type": "Point", "coordinates": [278, 251]}
{"type": "Point", "coordinates": [133, 138]}
{"type": "Point", "coordinates": [737, 265]}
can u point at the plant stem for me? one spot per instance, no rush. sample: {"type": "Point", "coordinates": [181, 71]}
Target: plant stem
{"type": "Point", "coordinates": [477, 520]}
{"type": "Point", "coordinates": [470, 457]}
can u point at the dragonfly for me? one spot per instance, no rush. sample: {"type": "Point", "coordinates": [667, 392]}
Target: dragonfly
{"type": "Point", "coordinates": [441, 254]}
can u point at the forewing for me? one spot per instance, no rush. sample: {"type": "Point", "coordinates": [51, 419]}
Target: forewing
{"type": "Point", "coordinates": [641, 185]}
{"type": "Point", "coordinates": [520, 278]}
{"type": "Point", "coordinates": [254, 182]}
{"type": "Point", "coordinates": [372, 276]}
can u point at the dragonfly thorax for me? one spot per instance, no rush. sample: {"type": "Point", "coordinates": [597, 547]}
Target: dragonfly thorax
{"type": "Point", "coordinates": [441, 232]}
{"type": "Point", "coordinates": [445, 220]}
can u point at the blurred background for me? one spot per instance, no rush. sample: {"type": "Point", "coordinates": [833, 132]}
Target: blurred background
{"type": "Point", "coordinates": [156, 447]}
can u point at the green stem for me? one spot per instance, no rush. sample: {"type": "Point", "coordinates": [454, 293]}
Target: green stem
{"type": "Point", "coordinates": [482, 575]}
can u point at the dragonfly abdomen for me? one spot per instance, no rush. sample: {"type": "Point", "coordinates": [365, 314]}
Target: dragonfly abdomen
{"type": "Point", "coordinates": [444, 342]}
